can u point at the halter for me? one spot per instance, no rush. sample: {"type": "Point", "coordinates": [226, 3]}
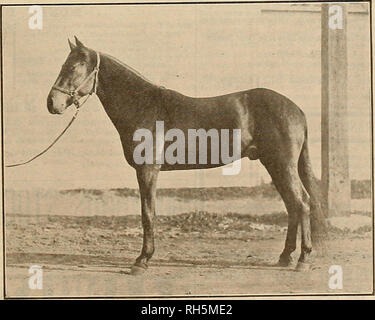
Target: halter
{"type": "Point", "coordinates": [74, 93]}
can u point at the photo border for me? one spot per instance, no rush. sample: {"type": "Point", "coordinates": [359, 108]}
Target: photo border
{"type": "Point", "coordinates": [221, 296]}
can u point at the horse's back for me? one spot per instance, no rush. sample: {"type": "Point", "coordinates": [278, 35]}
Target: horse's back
{"type": "Point", "coordinates": [227, 110]}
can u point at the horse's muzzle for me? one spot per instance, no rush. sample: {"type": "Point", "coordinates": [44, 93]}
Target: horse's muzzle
{"type": "Point", "coordinates": [55, 106]}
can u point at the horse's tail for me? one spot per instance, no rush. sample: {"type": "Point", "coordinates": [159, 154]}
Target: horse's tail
{"type": "Point", "coordinates": [317, 217]}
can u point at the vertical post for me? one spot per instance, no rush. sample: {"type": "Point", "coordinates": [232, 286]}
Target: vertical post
{"type": "Point", "coordinates": [335, 155]}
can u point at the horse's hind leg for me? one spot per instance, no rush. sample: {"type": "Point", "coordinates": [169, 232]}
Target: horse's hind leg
{"type": "Point", "coordinates": [147, 177]}
{"type": "Point", "coordinates": [287, 181]}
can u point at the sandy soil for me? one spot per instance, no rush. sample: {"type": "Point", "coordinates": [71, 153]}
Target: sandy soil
{"type": "Point", "coordinates": [196, 254]}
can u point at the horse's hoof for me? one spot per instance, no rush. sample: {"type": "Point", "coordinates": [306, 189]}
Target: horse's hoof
{"type": "Point", "coordinates": [137, 270]}
{"type": "Point", "coordinates": [285, 262]}
{"type": "Point", "coordinates": [303, 266]}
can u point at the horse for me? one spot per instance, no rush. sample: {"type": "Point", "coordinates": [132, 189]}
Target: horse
{"type": "Point", "coordinates": [273, 130]}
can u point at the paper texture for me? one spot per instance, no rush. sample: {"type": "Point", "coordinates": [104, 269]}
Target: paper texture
{"type": "Point", "coordinates": [73, 216]}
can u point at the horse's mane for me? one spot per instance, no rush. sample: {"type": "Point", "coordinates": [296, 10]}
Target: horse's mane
{"type": "Point", "coordinates": [124, 65]}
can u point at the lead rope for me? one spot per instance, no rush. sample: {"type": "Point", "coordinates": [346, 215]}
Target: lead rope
{"type": "Point", "coordinates": [78, 106]}
{"type": "Point", "coordinates": [49, 147]}
{"type": "Point", "coordinates": [54, 141]}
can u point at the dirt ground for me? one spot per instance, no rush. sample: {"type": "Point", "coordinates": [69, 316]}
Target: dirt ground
{"type": "Point", "coordinates": [197, 254]}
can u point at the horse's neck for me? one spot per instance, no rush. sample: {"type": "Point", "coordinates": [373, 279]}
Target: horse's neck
{"type": "Point", "coordinates": [122, 92]}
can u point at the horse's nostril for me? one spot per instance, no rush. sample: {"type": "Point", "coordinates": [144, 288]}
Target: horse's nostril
{"type": "Point", "coordinates": [49, 101]}
{"type": "Point", "coordinates": [50, 105]}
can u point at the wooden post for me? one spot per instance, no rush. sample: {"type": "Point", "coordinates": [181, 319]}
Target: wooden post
{"type": "Point", "coordinates": [335, 155]}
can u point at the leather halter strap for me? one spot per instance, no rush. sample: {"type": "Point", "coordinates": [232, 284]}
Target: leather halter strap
{"type": "Point", "coordinates": [75, 93]}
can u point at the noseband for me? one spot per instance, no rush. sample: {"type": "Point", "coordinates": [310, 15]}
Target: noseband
{"type": "Point", "coordinates": [74, 93]}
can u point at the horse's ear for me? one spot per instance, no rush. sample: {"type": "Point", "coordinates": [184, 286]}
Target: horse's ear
{"type": "Point", "coordinates": [78, 43]}
{"type": "Point", "coordinates": [71, 45]}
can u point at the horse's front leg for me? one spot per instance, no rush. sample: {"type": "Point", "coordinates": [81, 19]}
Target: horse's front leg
{"type": "Point", "coordinates": [147, 177]}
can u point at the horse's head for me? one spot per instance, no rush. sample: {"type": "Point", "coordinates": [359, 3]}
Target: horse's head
{"type": "Point", "coordinates": [77, 78]}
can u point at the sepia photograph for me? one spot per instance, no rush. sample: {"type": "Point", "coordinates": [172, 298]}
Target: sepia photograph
{"type": "Point", "coordinates": [187, 150]}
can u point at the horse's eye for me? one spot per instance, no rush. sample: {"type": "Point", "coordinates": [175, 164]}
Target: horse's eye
{"type": "Point", "coordinates": [75, 66]}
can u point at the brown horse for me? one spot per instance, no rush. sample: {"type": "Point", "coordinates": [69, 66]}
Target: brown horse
{"type": "Point", "coordinates": [273, 130]}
